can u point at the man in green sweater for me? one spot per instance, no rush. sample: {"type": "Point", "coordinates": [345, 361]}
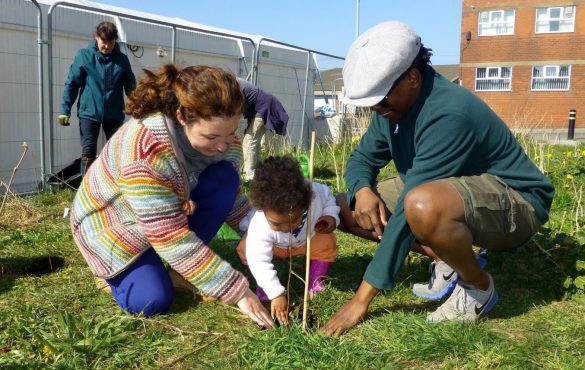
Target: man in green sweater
{"type": "Point", "coordinates": [463, 180]}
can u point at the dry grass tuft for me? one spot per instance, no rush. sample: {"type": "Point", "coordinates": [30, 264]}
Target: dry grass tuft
{"type": "Point", "coordinates": [18, 213]}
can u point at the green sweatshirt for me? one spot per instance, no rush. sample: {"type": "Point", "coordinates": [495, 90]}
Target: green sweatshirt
{"type": "Point", "coordinates": [449, 132]}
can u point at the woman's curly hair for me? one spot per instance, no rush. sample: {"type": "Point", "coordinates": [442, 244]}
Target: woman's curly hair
{"type": "Point", "coordinates": [200, 92]}
{"type": "Point", "coordinates": [279, 186]}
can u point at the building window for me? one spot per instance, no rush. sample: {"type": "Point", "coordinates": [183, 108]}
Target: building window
{"type": "Point", "coordinates": [551, 77]}
{"type": "Point", "coordinates": [496, 22]}
{"type": "Point", "coordinates": [493, 79]}
{"type": "Point", "coordinates": [555, 19]}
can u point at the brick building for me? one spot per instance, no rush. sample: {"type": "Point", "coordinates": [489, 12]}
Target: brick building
{"type": "Point", "coordinates": [526, 59]}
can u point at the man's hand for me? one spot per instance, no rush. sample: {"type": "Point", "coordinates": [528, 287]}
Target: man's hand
{"type": "Point", "coordinates": [250, 305]}
{"type": "Point", "coordinates": [63, 119]}
{"type": "Point", "coordinates": [370, 211]}
{"type": "Point", "coordinates": [352, 312]}
{"type": "Point", "coordinates": [279, 309]}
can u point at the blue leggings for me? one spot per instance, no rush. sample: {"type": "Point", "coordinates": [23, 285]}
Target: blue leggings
{"type": "Point", "coordinates": [145, 286]}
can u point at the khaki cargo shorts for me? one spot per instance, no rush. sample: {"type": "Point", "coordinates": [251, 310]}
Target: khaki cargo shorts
{"type": "Point", "coordinates": [497, 215]}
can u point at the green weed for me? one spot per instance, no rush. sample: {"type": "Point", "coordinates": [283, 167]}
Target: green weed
{"type": "Point", "coordinates": [52, 316]}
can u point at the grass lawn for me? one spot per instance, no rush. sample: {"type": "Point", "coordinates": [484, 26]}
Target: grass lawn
{"type": "Point", "coordinates": [53, 316]}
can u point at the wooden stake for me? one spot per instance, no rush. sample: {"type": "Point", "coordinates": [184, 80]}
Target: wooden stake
{"type": "Point", "coordinates": [309, 222]}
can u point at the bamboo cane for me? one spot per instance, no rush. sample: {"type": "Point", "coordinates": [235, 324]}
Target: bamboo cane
{"type": "Point", "coordinates": [309, 221]}
{"type": "Point", "coordinates": [25, 149]}
{"type": "Point", "coordinates": [290, 271]}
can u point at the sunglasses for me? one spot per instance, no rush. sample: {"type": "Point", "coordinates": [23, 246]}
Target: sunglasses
{"type": "Point", "coordinates": [384, 102]}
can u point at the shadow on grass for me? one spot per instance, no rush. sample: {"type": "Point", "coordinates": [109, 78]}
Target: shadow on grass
{"type": "Point", "coordinates": [529, 276]}
{"type": "Point", "coordinates": [14, 267]}
{"type": "Point", "coordinates": [532, 275]}
{"type": "Point", "coordinates": [422, 307]}
{"type": "Point", "coordinates": [184, 302]}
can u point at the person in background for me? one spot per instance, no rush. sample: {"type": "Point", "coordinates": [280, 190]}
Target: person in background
{"type": "Point", "coordinates": [278, 229]}
{"type": "Point", "coordinates": [161, 189]}
{"type": "Point", "coordinates": [100, 75]}
{"type": "Point", "coordinates": [463, 180]}
{"type": "Point", "coordinates": [263, 112]}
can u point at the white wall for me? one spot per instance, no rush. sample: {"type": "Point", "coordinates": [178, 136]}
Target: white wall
{"type": "Point", "coordinates": [19, 102]}
{"type": "Point", "coordinates": [281, 72]}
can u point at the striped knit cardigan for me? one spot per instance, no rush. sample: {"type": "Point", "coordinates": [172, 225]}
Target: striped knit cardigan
{"type": "Point", "coordinates": [133, 197]}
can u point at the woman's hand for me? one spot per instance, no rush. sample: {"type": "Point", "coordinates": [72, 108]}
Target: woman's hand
{"type": "Point", "coordinates": [325, 225]}
{"type": "Point", "coordinates": [189, 207]}
{"type": "Point", "coordinates": [370, 211]}
{"type": "Point", "coordinates": [279, 309]}
{"type": "Point", "coordinates": [250, 305]}
{"type": "Point", "coordinates": [241, 251]}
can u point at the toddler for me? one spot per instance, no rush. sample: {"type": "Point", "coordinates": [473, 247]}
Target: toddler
{"type": "Point", "coordinates": [278, 229]}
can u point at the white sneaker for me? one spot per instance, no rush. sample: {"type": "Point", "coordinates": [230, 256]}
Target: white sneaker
{"type": "Point", "coordinates": [441, 284]}
{"type": "Point", "coordinates": [466, 303]}
{"type": "Point", "coordinates": [442, 281]}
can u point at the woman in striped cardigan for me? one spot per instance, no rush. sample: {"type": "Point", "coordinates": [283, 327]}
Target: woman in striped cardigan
{"type": "Point", "coordinates": [160, 190]}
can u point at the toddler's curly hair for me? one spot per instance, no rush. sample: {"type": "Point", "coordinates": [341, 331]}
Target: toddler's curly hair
{"type": "Point", "coordinates": [279, 186]}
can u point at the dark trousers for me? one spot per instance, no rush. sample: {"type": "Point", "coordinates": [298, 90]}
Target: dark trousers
{"type": "Point", "coordinates": [89, 131]}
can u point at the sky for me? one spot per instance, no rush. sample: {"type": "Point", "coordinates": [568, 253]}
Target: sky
{"type": "Point", "coordinates": [327, 26]}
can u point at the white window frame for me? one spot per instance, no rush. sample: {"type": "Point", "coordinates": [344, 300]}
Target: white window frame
{"type": "Point", "coordinates": [550, 79]}
{"type": "Point", "coordinates": [484, 27]}
{"type": "Point", "coordinates": [545, 21]}
{"type": "Point", "coordinates": [496, 80]}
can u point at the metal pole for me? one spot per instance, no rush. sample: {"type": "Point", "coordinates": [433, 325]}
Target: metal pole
{"type": "Point", "coordinates": [334, 93]}
{"type": "Point", "coordinates": [305, 99]}
{"type": "Point", "coordinates": [50, 81]}
{"type": "Point", "coordinates": [40, 42]}
{"type": "Point", "coordinates": [357, 18]}
{"type": "Point", "coordinates": [336, 106]}
{"type": "Point", "coordinates": [173, 42]}
{"type": "Point", "coordinates": [256, 61]}
{"type": "Point", "coordinates": [322, 87]}
{"type": "Point", "coordinates": [572, 118]}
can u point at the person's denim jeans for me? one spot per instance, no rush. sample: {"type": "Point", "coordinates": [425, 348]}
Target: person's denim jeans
{"type": "Point", "coordinates": [89, 131]}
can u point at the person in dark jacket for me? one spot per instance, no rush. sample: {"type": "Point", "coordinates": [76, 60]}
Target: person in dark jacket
{"type": "Point", "coordinates": [263, 112]}
{"type": "Point", "coordinates": [100, 75]}
{"type": "Point", "coordinates": [463, 179]}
